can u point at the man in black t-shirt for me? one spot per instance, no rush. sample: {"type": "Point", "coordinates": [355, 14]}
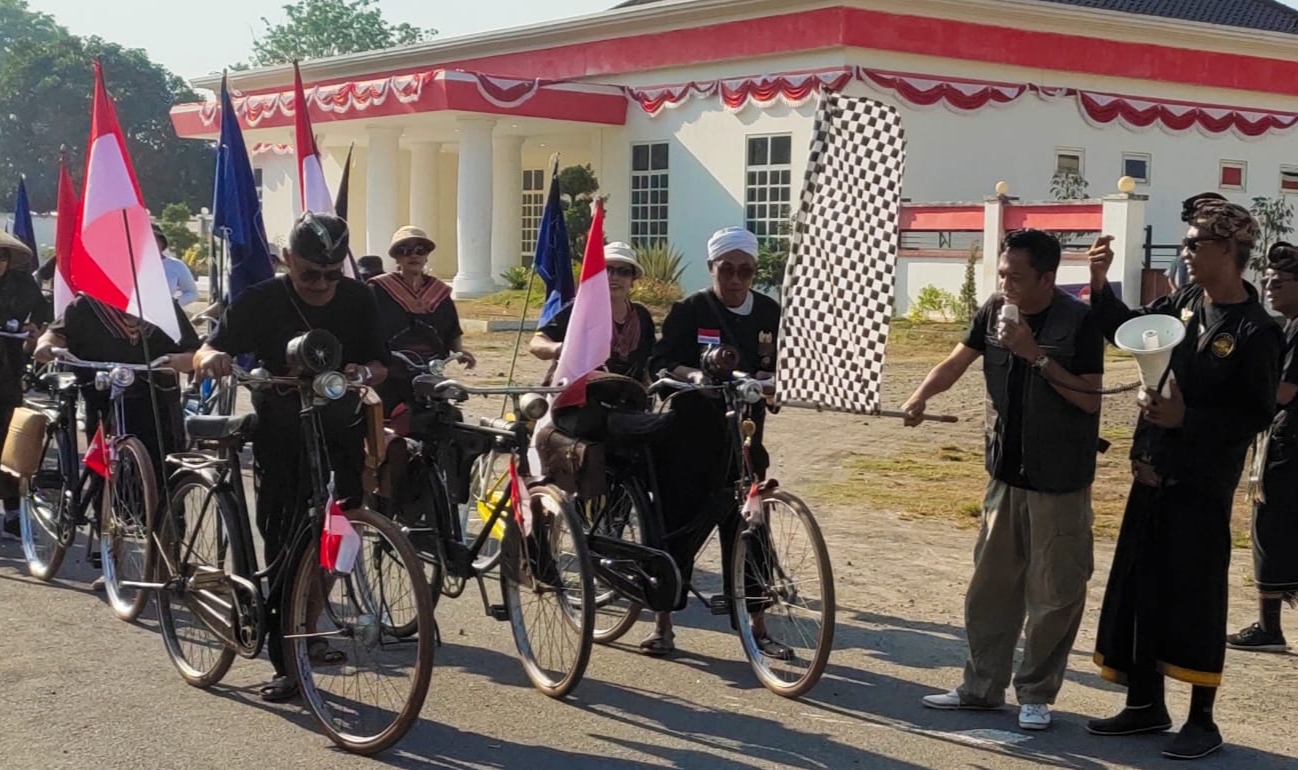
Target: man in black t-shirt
{"type": "Point", "coordinates": [1043, 362]}
{"type": "Point", "coordinates": [312, 295]}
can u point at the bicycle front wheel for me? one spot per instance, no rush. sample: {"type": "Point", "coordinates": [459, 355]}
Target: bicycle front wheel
{"type": "Point", "coordinates": [364, 684]}
{"type": "Point", "coordinates": [45, 507]}
{"type": "Point", "coordinates": [549, 591]}
{"type": "Point", "coordinates": [126, 519]}
{"type": "Point", "coordinates": [782, 581]}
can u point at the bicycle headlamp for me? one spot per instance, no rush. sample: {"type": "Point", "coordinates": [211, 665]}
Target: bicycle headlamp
{"type": "Point", "coordinates": [719, 360]}
{"type": "Point", "coordinates": [314, 352]}
{"type": "Point", "coordinates": [330, 385]}
{"type": "Point", "coordinates": [533, 406]}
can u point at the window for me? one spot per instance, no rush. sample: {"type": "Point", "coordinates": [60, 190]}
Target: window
{"type": "Point", "coordinates": [1070, 160]}
{"type": "Point", "coordinates": [1136, 165]}
{"type": "Point", "coordinates": [256, 179]}
{"type": "Point", "coordinates": [767, 187]}
{"type": "Point", "coordinates": [1233, 175]}
{"type": "Point", "coordinates": [1289, 180]}
{"type": "Point", "coordinates": [533, 209]}
{"type": "Point", "coordinates": [648, 193]}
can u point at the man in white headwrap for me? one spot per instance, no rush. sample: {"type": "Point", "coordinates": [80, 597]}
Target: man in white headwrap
{"type": "Point", "coordinates": [696, 463]}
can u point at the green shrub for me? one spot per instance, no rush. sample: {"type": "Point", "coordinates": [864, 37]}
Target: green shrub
{"type": "Point", "coordinates": [517, 276]}
{"type": "Point", "coordinates": [772, 259]}
{"type": "Point", "coordinates": [932, 300]}
{"type": "Point", "coordinates": [661, 261]}
{"type": "Point", "coordinates": [656, 293]}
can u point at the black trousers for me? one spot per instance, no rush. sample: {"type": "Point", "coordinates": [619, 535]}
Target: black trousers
{"type": "Point", "coordinates": [8, 483]}
{"type": "Point", "coordinates": [283, 483]}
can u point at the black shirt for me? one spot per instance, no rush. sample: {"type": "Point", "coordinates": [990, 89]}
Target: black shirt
{"type": "Point", "coordinates": [425, 333]}
{"type": "Point", "coordinates": [635, 364]}
{"type": "Point", "coordinates": [20, 301]}
{"type": "Point", "coordinates": [701, 320]}
{"type": "Point", "coordinates": [1089, 359]}
{"type": "Point", "coordinates": [267, 315]}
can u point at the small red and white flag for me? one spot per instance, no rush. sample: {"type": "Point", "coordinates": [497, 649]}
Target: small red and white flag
{"type": "Point", "coordinates": [98, 456]}
{"type": "Point", "coordinates": [64, 290]}
{"type": "Point", "coordinates": [520, 499]}
{"type": "Point", "coordinates": [113, 248]}
{"type": "Point", "coordinates": [339, 542]}
{"type": "Point", "coordinates": [314, 194]}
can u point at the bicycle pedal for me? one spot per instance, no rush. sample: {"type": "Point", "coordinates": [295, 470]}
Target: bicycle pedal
{"type": "Point", "coordinates": [499, 612]}
{"type": "Point", "coordinates": [719, 604]}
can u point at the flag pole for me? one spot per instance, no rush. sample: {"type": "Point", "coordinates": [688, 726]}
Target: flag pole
{"type": "Point", "coordinates": [527, 298]}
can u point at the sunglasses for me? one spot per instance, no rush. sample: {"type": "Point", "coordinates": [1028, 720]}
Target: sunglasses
{"type": "Point", "coordinates": [312, 276]}
{"type": "Point", "coordinates": [729, 270]}
{"type": "Point", "coordinates": [1191, 245]}
{"type": "Point", "coordinates": [418, 250]}
{"type": "Point", "coordinates": [621, 271]}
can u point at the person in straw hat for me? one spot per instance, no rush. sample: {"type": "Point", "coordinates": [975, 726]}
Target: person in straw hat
{"type": "Point", "coordinates": [416, 313]}
{"type": "Point", "coordinates": [633, 326]}
{"type": "Point", "coordinates": [20, 299]}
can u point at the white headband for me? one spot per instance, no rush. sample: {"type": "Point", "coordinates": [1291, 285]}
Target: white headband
{"type": "Point", "coordinates": [731, 239]}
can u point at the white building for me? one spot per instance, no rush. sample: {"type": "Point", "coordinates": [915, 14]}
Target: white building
{"type": "Point", "coordinates": [696, 114]}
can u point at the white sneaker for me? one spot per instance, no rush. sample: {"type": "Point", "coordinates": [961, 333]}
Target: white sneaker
{"type": "Point", "coordinates": [1034, 716]}
{"type": "Point", "coordinates": [950, 701]}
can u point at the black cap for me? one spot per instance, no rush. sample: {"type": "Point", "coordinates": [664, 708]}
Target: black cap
{"type": "Point", "coordinates": [320, 239]}
{"type": "Point", "coordinates": [370, 265]}
{"type": "Point", "coordinates": [1282, 257]}
{"type": "Point", "coordinates": [157, 233]}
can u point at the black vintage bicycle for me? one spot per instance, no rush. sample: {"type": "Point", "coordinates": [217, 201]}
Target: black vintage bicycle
{"type": "Point", "coordinates": [545, 575]}
{"type": "Point", "coordinates": [212, 597]}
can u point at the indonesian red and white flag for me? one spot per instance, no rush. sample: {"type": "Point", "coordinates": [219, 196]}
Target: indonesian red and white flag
{"type": "Point", "coordinates": [65, 234]}
{"type": "Point", "coordinates": [314, 191]}
{"type": "Point", "coordinates": [589, 339]}
{"type": "Point", "coordinates": [113, 249]}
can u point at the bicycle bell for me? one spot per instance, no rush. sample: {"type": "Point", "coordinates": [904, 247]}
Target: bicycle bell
{"type": "Point", "coordinates": [314, 352]}
{"type": "Point", "coordinates": [750, 391]}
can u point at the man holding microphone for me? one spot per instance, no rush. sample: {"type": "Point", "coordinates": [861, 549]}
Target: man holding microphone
{"type": "Point", "coordinates": [1043, 359]}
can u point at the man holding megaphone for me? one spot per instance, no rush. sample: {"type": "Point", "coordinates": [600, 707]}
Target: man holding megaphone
{"type": "Point", "coordinates": [1164, 610]}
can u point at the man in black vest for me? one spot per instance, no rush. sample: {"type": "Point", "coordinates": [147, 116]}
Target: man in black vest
{"type": "Point", "coordinates": [1043, 359]}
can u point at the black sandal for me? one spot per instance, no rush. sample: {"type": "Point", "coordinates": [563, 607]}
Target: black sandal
{"type": "Point", "coordinates": [279, 689]}
{"type": "Point", "coordinates": [659, 644]}
{"type": "Point", "coordinates": [321, 654]}
{"type": "Point", "coordinates": [773, 649]}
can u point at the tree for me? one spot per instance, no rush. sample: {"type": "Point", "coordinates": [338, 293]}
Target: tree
{"type": "Point", "coordinates": [46, 87]}
{"type": "Point", "coordinates": [174, 224]}
{"type": "Point", "coordinates": [578, 186]}
{"type": "Point", "coordinates": [1275, 222]}
{"type": "Point", "coordinates": [1068, 186]}
{"type": "Point", "coordinates": [319, 28]}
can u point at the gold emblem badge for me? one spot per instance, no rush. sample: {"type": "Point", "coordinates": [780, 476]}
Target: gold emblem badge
{"type": "Point", "coordinates": [1186, 315]}
{"type": "Point", "coordinates": [1223, 345]}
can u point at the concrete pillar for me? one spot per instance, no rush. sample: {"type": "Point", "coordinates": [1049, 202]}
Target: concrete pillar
{"type": "Point", "coordinates": [381, 183]}
{"type": "Point", "coordinates": [507, 207]}
{"type": "Point", "coordinates": [993, 232]}
{"type": "Point", "coordinates": [423, 187]}
{"type": "Point", "coordinates": [473, 214]}
{"type": "Point", "coordinates": [1124, 219]}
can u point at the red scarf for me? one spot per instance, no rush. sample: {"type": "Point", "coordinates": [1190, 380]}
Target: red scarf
{"type": "Point", "coordinates": [421, 301]}
{"type": "Point", "coordinates": [626, 338]}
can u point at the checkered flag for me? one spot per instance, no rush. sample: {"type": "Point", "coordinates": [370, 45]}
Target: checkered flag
{"type": "Point", "coordinates": [837, 297]}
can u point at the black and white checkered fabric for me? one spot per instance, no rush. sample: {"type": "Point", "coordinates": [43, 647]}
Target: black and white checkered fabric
{"type": "Point", "coordinates": [838, 284]}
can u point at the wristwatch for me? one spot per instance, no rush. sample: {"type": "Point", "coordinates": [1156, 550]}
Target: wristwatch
{"type": "Point", "coordinates": [1041, 362]}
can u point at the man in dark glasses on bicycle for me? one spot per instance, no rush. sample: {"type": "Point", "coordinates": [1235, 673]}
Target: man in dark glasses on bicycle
{"type": "Point", "coordinates": [313, 294]}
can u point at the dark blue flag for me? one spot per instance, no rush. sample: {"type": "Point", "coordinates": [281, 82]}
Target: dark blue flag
{"type": "Point", "coordinates": [23, 229]}
{"type": "Point", "coordinates": [553, 260]}
{"type": "Point", "coordinates": [236, 212]}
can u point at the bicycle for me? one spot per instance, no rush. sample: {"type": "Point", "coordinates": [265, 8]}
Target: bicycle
{"type": "Point", "coordinates": [207, 569]}
{"type": "Point", "coordinates": [543, 558]}
{"type": "Point", "coordinates": [54, 500]}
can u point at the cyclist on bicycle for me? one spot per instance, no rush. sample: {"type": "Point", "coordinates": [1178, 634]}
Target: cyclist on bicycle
{"type": "Point", "coordinates": [313, 294]}
{"type": "Point", "coordinates": [730, 313]}
{"type": "Point", "coordinates": [21, 303]}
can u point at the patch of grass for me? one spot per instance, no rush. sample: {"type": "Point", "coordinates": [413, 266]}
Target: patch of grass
{"type": "Point", "coordinates": [909, 339]}
{"type": "Point", "coordinates": [952, 479]}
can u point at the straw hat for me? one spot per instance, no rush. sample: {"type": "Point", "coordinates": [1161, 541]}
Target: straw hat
{"type": "Point", "coordinates": [409, 234]}
{"type": "Point", "coordinates": [16, 250]}
{"type": "Point", "coordinates": [623, 253]}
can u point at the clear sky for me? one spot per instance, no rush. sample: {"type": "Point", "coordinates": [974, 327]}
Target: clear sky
{"type": "Point", "coordinates": [196, 37]}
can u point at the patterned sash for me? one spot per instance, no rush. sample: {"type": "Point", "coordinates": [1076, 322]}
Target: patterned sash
{"type": "Point", "coordinates": [421, 301]}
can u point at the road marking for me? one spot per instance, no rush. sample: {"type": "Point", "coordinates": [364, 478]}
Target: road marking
{"type": "Point", "coordinates": [981, 737]}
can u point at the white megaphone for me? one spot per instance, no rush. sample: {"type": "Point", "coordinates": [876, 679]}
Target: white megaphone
{"type": "Point", "coordinates": [1150, 338]}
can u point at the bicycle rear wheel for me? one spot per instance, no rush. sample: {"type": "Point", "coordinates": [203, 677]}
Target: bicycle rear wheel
{"type": "Point", "coordinates": [126, 519]}
{"type": "Point", "coordinates": [201, 539]}
{"type": "Point", "coordinates": [620, 514]}
{"type": "Point", "coordinates": [549, 572]}
{"type": "Point", "coordinates": [350, 612]}
{"type": "Point", "coordinates": [781, 571]}
{"type": "Point", "coordinates": [45, 507]}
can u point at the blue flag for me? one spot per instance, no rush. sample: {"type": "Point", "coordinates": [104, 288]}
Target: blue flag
{"type": "Point", "coordinates": [236, 212]}
{"type": "Point", "coordinates": [23, 229]}
{"type": "Point", "coordinates": [553, 260]}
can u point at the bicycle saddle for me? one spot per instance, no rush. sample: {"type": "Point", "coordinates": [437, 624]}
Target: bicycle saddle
{"type": "Point", "coordinates": [624, 427]}
{"type": "Point", "coordinates": [214, 427]}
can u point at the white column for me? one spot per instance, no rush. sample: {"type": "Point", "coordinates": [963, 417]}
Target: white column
{"type": "Point", "coordinates": [423, 186]}
{"type": "Point", "coordinates": [993, 232]}
{"type": "Point", "coordinates": [473, 213]}
{"type": "Point", "coordinates": [381, 183]}
{"type": "Point", "coordinates": [507, 208]}
{"type": "Point", "coordinates": [1124, 219]}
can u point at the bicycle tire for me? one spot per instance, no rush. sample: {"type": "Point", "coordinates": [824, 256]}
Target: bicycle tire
{"type": "Point", "coordinates": [512, 567]}
{"type": "Point", "coordinates": [306, 573]}
{"type": "Point", "coordinates": [226, 509]}
{"type": "Point", "coordinates": [809, 671]}
{"type": "Point", "coordinates": [127, 603]}
{"type": "Point", "coordinates": [630, 612]}
{"type": "Point", "coordinates": [45, 512]}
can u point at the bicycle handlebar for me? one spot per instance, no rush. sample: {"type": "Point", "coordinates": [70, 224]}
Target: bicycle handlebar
{"type": "Point", "coordinates": [433, 365]}
{"type": "Point", "coordinates": [493, 390]}
{"type": "Point", "coordinates": [62, 354]}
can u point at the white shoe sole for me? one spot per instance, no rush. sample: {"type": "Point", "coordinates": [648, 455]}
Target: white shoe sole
{"type": "Point", "coordinates": [1034, 725]}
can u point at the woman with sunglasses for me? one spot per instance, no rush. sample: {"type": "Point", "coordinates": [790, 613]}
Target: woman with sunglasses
{"type": "Point", "coordinates": [633, 327]}
{"type": "Point", "coordinates": [416, 314]}
{"type": "Point", "coordinates": [730, 313]}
